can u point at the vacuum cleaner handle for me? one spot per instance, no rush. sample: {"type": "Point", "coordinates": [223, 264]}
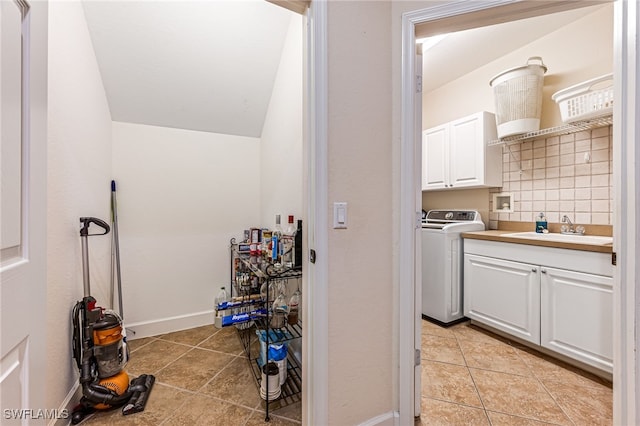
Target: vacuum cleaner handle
{"type": "Point", "coordinates": [87, 221]}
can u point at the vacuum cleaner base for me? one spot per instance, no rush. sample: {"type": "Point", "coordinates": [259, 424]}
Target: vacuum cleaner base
{"type": "Point", "coordinates": [139, 398]}
{"type": "Point", "coordinates": [141, 388]}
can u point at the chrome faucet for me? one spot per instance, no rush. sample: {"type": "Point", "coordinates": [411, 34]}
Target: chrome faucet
{"type": "Point", "coordinates": [564, 229]}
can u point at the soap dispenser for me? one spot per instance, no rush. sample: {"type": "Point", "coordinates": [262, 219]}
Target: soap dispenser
{"type": "Point", "coordinates": [541, 223]}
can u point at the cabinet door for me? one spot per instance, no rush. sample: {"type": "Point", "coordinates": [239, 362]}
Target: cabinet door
{"type": "Point", "coordinates": [435, 157]}
{"type": "Point", "coordinates": [466, 149]}
{"type": "Point", "coordinates": [504, 295]}
{"type": "Point", "coordinates": [577, 316]}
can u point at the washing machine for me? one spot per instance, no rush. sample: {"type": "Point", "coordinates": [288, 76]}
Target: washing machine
{"type": "Point", "coordinates": [442, 298]}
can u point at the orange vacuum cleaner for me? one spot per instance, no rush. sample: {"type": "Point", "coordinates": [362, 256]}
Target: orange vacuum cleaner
{"type": "Point", "coordinates": [100, 350]}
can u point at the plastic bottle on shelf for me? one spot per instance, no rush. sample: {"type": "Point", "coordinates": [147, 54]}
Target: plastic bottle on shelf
{"type": "Point", "coordinates": [221, 298]}
{"type": "Point", "coordinates": [272, 291]}
{"type": "Point", "coordinates": [276, 240]}
{"type": "Point", "coordinates": [294, 308]}
{"type": "Point", "coordinates": [280, 310]}
{"type": "Point", "coordinates": [291, 227]}
{"type": "Point", "coordinates": [288, 243]}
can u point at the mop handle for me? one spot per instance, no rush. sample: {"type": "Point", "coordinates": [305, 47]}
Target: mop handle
{"type": "Point", "coordinates": [116, 242]}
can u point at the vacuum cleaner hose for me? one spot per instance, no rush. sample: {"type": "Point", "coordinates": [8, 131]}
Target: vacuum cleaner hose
{"type": "Point", "coordinates": [99, 394]}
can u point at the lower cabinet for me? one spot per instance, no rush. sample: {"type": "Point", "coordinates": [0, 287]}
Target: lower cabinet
{"type": "Point", "coordinates": [568, 311]}
{"type": "Point", "coordinates": [491, 282]}
{"type": "Point", "coordinates": [576, 317]}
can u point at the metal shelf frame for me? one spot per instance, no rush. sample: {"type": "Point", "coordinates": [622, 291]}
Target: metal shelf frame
{"type": "Point", "coordinates": [564, 129]}
{"type": "Point", "coordinates": [291, 390]}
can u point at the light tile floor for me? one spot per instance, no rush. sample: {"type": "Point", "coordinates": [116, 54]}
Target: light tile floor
{"type": "Point", "coordinates": [202, 378]}
{"type": "Point", "coordinates": [469, 377]}
{"type": "Point", "coordinates": [473, 377]}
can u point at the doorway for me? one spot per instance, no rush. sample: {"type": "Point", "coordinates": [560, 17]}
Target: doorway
{"type": "Point", "coordinates": [454, 18]}
{"type": "Point", "coordinates": [138, 318]}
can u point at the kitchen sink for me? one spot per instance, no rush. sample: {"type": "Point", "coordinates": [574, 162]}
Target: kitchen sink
{"type": "Point", "coordinates": [563, 238]}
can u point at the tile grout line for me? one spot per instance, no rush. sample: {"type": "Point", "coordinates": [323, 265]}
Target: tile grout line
{"type": "Point", "coordinates": [151, 340]}
{"type": "Point", "coordinates": [475, 386]}
{"type": "Point", "coordinates": [555, 401]}
{"type": "Point", "coordinates": [533, 373]}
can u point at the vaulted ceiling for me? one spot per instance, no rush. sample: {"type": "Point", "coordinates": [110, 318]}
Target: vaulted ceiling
{"type": "Point", "coordinates": [198, 65]}
{"type": "Point", "coordinates": [462, 52]}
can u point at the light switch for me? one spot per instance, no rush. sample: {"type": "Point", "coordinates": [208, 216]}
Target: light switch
{"type": "Point", "coordinates": [339, 215]}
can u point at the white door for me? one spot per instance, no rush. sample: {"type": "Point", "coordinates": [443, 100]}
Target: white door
{"type": "Point", "coordinates": [23, 130]}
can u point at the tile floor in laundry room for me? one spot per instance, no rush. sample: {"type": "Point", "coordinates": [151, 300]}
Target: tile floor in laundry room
{"type": "Point", "coordinates": [474, 377]}
{"type": "Point", "coordinates": [469, 377]}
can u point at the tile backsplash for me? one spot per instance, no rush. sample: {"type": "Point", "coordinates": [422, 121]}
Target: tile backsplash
{"type": "Point", "coordinates": [569, 174]}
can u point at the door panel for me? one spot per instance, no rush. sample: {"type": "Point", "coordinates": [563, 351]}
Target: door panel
{"type": "Point", "coordinates": [10, 128]}
{"type": "Point", "coordinates": [23, 131]}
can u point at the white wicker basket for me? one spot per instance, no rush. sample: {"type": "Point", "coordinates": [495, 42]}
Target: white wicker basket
{"type": "Point", "coordinates": [590, 99]}
{"type": "Point", "coordinates": [518, 98]}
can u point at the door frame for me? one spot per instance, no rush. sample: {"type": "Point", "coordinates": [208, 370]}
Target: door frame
{"type": "Point", "coordinates": [626, 157]}
{"type": "Point", "coordinates": [315, 336]}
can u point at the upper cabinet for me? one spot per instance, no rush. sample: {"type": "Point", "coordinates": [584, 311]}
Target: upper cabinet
{"type": "Point", "coordinates": [456, 154]}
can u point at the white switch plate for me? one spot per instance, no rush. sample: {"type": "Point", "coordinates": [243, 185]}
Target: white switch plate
{"type": "Point", "coordinates": [340, 215]}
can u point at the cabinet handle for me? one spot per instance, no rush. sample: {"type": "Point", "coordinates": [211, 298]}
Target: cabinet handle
{"type": "Point", "coordinates": [544, 271]}
{"type": "Point", "coordinates": [534, 270]}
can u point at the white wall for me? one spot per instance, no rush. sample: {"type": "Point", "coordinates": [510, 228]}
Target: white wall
{"type": "Point", "coordinates": [281, 140]}
{"type": "Point", "coordinates": [79, 172]}
{"type": "Point", "coordinates": [361, 297]}
{"type": "Point", "coordinates": [181, 196]}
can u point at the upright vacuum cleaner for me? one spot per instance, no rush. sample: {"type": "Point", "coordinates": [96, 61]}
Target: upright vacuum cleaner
{"type": "Point", "coordinates": [100, 350]}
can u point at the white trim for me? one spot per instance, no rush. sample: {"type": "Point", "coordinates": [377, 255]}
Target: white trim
{"type": "Point", "coordinates": [315, 365]}
{"type": "Point", "coordinates": [626, 157]}
{"type": "Point", "coordinates": [407, 264]}
{"type": "Point", "coordinates": [626, 170]}
{"type": "Point", "coordinates": [410, 185]}
{"type": "Point", "coordinates": [67, 405]}
{"type": "Point", "coordinates": [385, 419]}
{"type": "Point", "coordinates": [138, 330]}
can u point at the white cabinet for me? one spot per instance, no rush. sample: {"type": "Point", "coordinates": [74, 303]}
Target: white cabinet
{"type": "Point", "coordinates": [576, 316]}
{"type": "Point", "coordinates": [559, 299]}
{"type": "Point", "coordinates": [456, 155]}
{"type": "Point", "coordinates": [490, 282]}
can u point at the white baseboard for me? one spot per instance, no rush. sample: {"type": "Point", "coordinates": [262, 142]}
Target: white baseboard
{"type": "Point", "coordinates": [385, 419]}
{"type": "Point", "coordinates": [70, 401]}
{"type": "Point", "coordinates": [141, 329]}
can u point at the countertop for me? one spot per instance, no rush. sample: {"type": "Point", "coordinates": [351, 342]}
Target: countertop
{"type": "Point", "coordinates": [500, 235]}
